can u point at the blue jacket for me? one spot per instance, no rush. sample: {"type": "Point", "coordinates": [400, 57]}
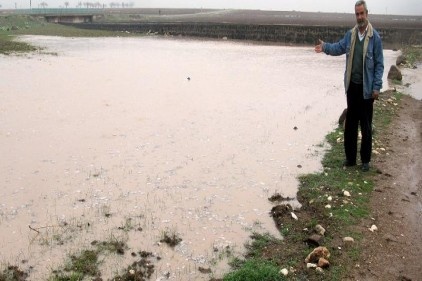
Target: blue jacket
{"type": "Point", "coordinates": [373, 63]}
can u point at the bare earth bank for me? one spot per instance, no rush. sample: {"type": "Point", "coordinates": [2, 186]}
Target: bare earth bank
{"type": "Point", "coordinates": [394, 252]}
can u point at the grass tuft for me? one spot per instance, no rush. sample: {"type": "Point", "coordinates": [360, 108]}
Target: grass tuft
{"type": "Point", "coordinates": [255, 269]}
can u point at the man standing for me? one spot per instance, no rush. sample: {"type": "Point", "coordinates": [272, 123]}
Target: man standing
{"type": "Point", "coordinates": [362, 81]}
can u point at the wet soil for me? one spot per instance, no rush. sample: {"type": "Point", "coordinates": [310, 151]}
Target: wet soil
{"type": "Point", "coordinates": [394, 252]}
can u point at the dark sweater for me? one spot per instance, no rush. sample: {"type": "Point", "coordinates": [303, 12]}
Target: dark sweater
{"type": "Point", "coordinates": [357, 66]}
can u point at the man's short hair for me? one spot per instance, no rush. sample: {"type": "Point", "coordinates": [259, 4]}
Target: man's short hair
{"type": "Point", "coordinates": [362, 2]}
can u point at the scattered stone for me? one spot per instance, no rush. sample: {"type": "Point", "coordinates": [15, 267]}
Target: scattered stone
{"type": "Point", "coordinates": [294, 216]}
{"type": "Point", "coordinates": [394, 73]}
{"type": "Point", "coordinates": [295, 128]}
{"type": "Point", "coordinates": [319, 229]}
{"type": "Point", "coordinates": [373, 228]}
{"type": "Point", "coordinates": [348, 240]}
{"type": "Point", "coordinates": [323, 263]}
{"type": "Point", "coordinates": [311, 265]}
{"type": "Point", "coordinates": [314, 240]}
{"type": "Point", "coordinates": [204, 270]}
{"type": "Point", "coordinates": [328, 206]}
{"type": "Point", "coordinates": [390, 238]}
{"type": "Point", "coordinates": [329, 198]}
{"type": "Point", "coordinates": [413, 193]}
{"type": "Point", "coordinates": [284, 271]}
{"type": "Point", "coordinates": [319, 269]}
{"type": "Point", "coordinates": [346, 193]}
{"type": "Point", "coordinates": [401, 60]}
{"type": "Point", "coordinates": [316, 254]}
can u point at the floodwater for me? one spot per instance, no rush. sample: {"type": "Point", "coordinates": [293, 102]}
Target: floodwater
{"type": "Point", "coordinates": [412, 82]}
{"type": "Point", "coordinates": [128, 138]}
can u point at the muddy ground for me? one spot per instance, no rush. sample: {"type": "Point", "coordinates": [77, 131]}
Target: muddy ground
{"type": "Point", "coordinates": [394, 252]}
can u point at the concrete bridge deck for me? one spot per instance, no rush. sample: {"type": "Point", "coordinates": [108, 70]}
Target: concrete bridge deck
{"type": "Point", "coordinates": [63, 15]}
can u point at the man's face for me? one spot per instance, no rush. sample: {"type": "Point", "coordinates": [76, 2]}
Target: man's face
{"type": "Point", "coordinates": [361, 16]}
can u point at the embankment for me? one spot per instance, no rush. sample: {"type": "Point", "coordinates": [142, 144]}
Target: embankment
{"type": "Point", "coordinates": [284, 34]}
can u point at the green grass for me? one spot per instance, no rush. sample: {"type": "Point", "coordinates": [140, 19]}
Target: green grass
{"type": "Point", "coordinates": [413, 54]}
{"type": "Point", "coordinates": [9, 46]}
{"type": "Point", "coordinates": [15, 25]}
{"type": "Point", "coordinates": [254, 270]}
{"type": "Point", "coordinates": [78, 267]}
{"type": "Point", "coordinates": [86, 263]}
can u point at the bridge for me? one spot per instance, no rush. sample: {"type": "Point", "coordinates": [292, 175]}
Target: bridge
{"type": "Point", "coordinates": [63, 15]}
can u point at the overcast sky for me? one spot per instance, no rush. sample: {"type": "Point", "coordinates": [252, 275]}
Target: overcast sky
{"type": "Point", "coordinates": [398, 7]}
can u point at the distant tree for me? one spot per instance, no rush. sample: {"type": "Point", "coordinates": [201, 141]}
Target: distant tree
{"type": "Point", "coordinates": [114, 5]}
{"type": "Point", "coordinates": [88, 4]}
{"type": "Point", "coordinates": [43, 5]}
{"type": "Point", "coordinates": [66, 4]}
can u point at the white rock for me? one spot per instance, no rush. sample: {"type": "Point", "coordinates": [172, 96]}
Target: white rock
{"type": "Point", "coordinates": [346, 193]}
{"type": "Point", "coordinates": [284, 271]}
{"type": "Point", "coordinates": [294, 216]}
{"type": "Point", "coordinates": [319, 229]}
{"type": "Point", "coordinates": [330, 198]}
{"type": "Point", "coordinates": [328, 206]}
{"type": "Point", "coordinates": [311, 265]}
{"type": "Point", "coordinates": [319, 269]}
{"type": "Point", "coordinates": [373, 228]}
{"type": "Point", "coordinates": [348, 240]}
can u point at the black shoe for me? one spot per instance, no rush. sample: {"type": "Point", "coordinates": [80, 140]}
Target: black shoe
{"type": "Point", "coordinates": [365, 167]}
{"type": "Point", "coordinates": [348, 163]}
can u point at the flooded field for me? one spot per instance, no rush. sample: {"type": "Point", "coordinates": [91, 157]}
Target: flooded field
{"type": "Point", "coordinates": [131, 138]}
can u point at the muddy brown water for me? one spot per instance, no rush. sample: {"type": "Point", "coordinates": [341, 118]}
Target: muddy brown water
{"type": "Point", "coordinates": [185, 136]}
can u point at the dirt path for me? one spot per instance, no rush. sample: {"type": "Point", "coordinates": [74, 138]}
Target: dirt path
{"type": "Point", "coordinates": [394, 252]}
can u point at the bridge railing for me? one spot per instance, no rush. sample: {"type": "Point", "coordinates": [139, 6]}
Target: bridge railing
{"type": "Point", "coordinates": [59, 11]}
